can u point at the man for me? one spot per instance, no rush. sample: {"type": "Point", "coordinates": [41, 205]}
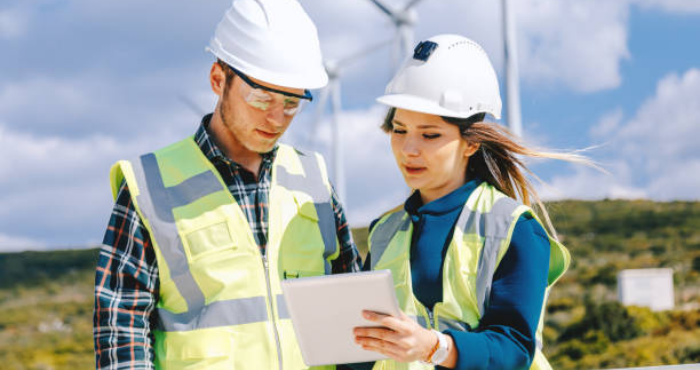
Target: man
{"type": "Point", "coordinates": [203, 230]}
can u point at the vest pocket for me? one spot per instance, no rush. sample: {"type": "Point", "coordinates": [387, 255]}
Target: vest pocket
{"type": "Point", "coordinates": [308, 211]}
{"type": "Point", "coordinates": [209, 239]}
{"type": "Point", "coordinates": [210, 350]}
{"type": "Point", "coordinates": [301, 246]}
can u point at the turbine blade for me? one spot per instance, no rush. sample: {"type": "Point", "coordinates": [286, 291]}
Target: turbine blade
{"type": "Point", "coordinates": [386, 10]}
{"type": "Point", "coordinates": [194, 107]}
{"type": "Point", "coordinates": [411, 4]}
{"type": "Point", "coordinates": [349, 59]}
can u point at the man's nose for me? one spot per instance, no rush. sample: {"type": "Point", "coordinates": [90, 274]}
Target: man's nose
{"type": "Point", "coordinates": [276, 116]}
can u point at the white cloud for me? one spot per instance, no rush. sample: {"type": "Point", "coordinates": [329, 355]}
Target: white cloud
{"type": "Point", "coordinates": [56, 99]}
{"type": "Point", "coordinates": [576, 44]}
{"type": "Point", "coordinates": [589, 184]}
{"type": "Point", "coordinates": [562, 43]}
{"type": "Point", "coordinates": [607, 125]}
{"type": "Point", "coordinates": [13, 24]}
{"type": "Point", "coordinates": [9, 243]}
{"type": "Point", "coordinates": [111, 91]}
{"type": "Point", "coordinates": [373, 183]}
{"type": "Point", "coordinates": [665, 129]}
{"type": "Point", "coordinates": [580, 44]}
{"type": "Point", "coordinates": [55, 190]}
{"type": "Point", "coordinates": [654, 154]}
{"type": "Point", "coordinates": [101, 103]}
{"type": "Point", "coordinates": [676, 6]}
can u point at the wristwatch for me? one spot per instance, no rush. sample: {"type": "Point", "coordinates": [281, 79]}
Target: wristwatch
{"type": "Point", "coordinates": [439, 354]}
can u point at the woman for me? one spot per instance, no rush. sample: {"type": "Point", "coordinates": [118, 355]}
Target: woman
{"type": "Point", "coordinates": [471, 265]}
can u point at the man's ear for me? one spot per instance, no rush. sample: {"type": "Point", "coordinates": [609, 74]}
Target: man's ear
{"type": "Point", "coordinates": [217, 79]}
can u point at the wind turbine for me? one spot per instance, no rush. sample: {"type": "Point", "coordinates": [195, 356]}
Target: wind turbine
{"type": "Point", "coordinates": [403, 19]}
{"type": "Point", "coordinates": [332, 90]}
{"type": "Point", "coordinates": [510, 49]}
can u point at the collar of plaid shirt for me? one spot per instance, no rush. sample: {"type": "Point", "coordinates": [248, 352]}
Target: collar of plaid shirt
{"type": "Point", "coordinates": [213, 153]}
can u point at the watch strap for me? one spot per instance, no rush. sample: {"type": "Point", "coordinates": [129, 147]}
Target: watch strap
{"type": "Point", "coordinates": [432, 351]}
{"type": "Point", "coordinates": [441, 349]}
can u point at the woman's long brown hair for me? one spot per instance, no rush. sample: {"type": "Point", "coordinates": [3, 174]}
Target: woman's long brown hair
{"type": "Point", "coordinates": [497, 160]}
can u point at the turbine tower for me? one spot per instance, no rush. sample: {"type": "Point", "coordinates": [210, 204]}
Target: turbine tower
{"type": "Point", "coordinates": [510, 49]}
{"type": "Point", "coordinates": [404, 20]}
{"type": "Point", "coordinates": [332, 91]}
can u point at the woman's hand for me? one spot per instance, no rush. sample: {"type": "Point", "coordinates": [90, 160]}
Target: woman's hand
{"type": "Point", "coordinates": [400, 338]}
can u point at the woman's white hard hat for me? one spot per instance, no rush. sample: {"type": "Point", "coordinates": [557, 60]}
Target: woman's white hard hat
{"type": "Point", "coordinates": [274, 41]}
{"type": "Point", "coordinates": [448, 75]}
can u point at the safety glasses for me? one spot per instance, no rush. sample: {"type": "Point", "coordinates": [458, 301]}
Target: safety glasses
{"type": "Point", "coordinates": [265, 98]}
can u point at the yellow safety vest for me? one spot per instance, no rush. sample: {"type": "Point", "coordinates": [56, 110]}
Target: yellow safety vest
{"type": "Point", "coordinates": [480, 239]}
{"type": "Point", "coordinates": [220, 303]}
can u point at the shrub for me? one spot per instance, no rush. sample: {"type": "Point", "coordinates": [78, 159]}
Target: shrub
{"type": "Point", "coordinates": [610, 318]}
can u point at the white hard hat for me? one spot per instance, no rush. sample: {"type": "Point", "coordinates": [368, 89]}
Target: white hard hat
{"type": "Point", "coordinates": [274, 41]}
{"type": "Point", "coordinates": [448, 75]}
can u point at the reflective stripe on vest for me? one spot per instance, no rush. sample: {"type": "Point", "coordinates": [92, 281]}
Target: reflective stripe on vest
{"type": "Point", "coordinates": [493, 227]}
{"type": "Point", "coordinates": [385, 232]}
{"type": "Point", "coordinates": [156, 205]}
{"type": "Point", "coordinates": [480, 239]}
{"type": "Point", "coordinates": [490, 226]}
{"type": "Point", "coordinates": [312, 184]}
{"type": "Point", "coordinates": [443, 323]}
{"type": "Point", "coordinates": [220, 303]}
{"type": "Point", "coordinates": [157, 202]}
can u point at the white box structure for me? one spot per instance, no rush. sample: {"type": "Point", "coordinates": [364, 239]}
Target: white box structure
{"type": "Point", "coordinates": [651, 288]}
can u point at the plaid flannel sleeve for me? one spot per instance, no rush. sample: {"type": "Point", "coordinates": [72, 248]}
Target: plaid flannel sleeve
{"type": "Point", "coordinates": [349, 258]}
{"type": "Point", "coordinates": [126, 291]}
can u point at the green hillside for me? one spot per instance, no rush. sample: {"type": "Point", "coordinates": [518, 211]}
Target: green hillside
{"type": "Point", "coordinates": [586, 328]}
{"type": "Point", "coordinates": [46, 310]}
{"type": "Point", "coordinates": [46, 297]}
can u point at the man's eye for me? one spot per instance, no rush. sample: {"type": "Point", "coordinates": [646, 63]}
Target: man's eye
{"type": "Point", "coordinates": [399, 132]}
{"type": "Point", "coordinates": [291, 103]}
{"type": "Point", "coordinates": [262, 105]}
{"type": "Point", "coordinates": [431, 136]}
{"type": "Point", "coordinates": [260, 95]}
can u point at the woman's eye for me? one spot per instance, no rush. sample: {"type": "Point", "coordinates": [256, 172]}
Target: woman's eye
{"type": "Point", "coordinates": [399, 132]}
{"type": "Point", "coordinates": [431, 136]}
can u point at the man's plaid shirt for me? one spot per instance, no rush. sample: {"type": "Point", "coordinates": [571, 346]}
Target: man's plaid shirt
{"type": "Point", "coordinates": [126, 280]}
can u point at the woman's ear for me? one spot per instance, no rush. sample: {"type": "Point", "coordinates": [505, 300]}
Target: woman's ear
{"type": "Point", "coordinates": [471, 149]}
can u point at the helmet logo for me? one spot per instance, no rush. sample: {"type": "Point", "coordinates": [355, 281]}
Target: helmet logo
{"type": "Point", "coordinates": [423, 50]}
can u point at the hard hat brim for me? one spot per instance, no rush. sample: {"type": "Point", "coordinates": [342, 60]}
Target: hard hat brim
{"type": "Point", "coordinates": [422, 105]}
{"type": "Point", "coordinates": [311, 78]}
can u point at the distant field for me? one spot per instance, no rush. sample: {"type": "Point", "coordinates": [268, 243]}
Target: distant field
{"type": "Point", "coordinates": [46, 297]}
{"type": "Point", "coordinates": [46, 310]}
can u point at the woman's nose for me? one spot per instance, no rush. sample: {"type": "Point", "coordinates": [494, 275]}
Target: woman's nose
{"type": "Point", "coordinates": [411, 146]}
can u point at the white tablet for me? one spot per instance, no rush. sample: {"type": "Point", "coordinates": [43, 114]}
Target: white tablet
{"type": "Point", "coordinates": [325, 309]}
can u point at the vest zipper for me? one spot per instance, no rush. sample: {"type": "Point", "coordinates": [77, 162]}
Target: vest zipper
{"type": "Point", "coordinates": [272, 311]}
{"type": "Point", "coordinates": [431, 320]}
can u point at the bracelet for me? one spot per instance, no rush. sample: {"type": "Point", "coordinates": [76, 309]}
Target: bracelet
{"type": "Point", "coordinates": [432, 352]}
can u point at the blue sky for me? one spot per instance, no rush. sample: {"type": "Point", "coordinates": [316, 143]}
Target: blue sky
{"type": "Point", "coordinates": [86, 83]}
